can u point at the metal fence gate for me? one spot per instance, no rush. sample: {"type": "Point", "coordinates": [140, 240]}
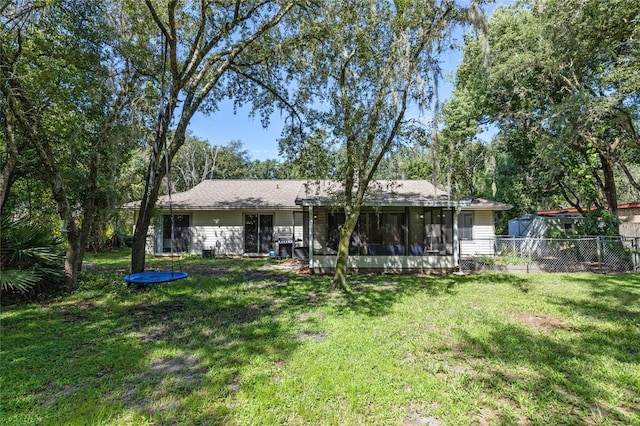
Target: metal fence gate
{"type": "Point", "coordinates": [590, 253]}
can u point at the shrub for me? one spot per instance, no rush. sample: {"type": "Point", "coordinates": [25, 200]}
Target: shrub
{"type": "Point", "coordinates": [30, 257]}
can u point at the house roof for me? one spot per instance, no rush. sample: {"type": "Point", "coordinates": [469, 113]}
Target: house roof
{"type": "Point", "coordinates": [381, 192]}
{"type": "Point", "coordinates": [395, 193]}
{"type": "Point", "coordinates": [234, 194]}
{"type": "Point", "coordinates": [291, 194]}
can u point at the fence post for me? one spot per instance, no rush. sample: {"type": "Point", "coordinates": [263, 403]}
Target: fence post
{"type": "Point", "coordinates": [599, 253]}
{"type": "Point", "coordinates": [635, 253]}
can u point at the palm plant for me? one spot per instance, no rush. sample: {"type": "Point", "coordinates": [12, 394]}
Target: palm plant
{"type": "Point", "coordinates": [29, 256]}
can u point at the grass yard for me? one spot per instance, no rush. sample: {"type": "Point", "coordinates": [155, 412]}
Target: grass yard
{"type": "Point", "coordinates": [249, 342]}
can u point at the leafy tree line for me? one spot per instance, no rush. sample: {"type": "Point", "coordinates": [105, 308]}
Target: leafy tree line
{"type": "Point", "coordinates": [93, 91]}
{"type": "Point", "coordinates": [562, 91]}
{"type": "Point", "coordinates": [97, 97]}
{"type": "Point", "coordinates": [198, 160]}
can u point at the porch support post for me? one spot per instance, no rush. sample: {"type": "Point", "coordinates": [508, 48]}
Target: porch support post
{"type": "Point", "coordinates": [293, 235]}
{"type": "Point", "coordinates": [407, 224]}
{"type": "Point", "coordinates": [456, 241]}
{"type": "Point", "coordinates": [310, 243]}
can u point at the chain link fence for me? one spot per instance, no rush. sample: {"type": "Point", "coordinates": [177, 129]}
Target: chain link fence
{"type": "Point", "coordinates": [590, 253]}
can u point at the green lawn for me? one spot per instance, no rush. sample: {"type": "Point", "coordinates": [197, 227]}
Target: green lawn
{"type": "Point", "coordinates": [246, 342]}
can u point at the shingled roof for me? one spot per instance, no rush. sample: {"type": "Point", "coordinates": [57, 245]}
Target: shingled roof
{"type": "Point", "coordinates": [219, 194]}
{"type": "Point", "coordinates": [236, 194]}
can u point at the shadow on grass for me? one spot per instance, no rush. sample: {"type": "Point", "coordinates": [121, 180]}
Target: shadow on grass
{"type": "Point", "coordinates": [375, 295]}
{"type": "Point", "coordinates": [187, 352]}
{"type": "Point", "coordinates": [175, 351]}
{"type": "Point", "coordinates": [616, 299]}
{"type": "Point", "coordinates": [584, 376]}
{"type": "Point", "coordinates": [172, 353]}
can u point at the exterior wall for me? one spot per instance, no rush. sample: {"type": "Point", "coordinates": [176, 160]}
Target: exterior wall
{"type": "Point", "coordinates": [289, 225]}
{"type": "Point", "coordinates": [222, 231]}
{"type": "Point", "coordinates": [483, 243]}
{"type": "Point", "coordinates": [629, 215]}
{"type": "Point", "coordinates": [629, 222]}
{"type": "Point", "coordinates": [151, 241]}
{"type": "Point", "coordinates": [483, 233]}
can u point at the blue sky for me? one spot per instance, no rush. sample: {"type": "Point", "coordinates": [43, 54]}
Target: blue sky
{"type": "Point", "coordinates": [228, 124]}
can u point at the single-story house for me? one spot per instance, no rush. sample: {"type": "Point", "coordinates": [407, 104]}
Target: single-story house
{"type": "Point", "coordinates": [628, 213]}
{"type": "Point", "coordinates": [404, 225]}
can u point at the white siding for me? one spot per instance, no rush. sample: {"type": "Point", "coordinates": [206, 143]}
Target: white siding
{"type": "Point", "coordinates": [630, 226]}
{"type": "Point", "coordinates": [223, 230]}
{"type": "Point", "coordinates": [483, 235]}
{"type": "Point", "coordinates": [284, 226]}
{"type": "Point", "coordinates": [220, 230]}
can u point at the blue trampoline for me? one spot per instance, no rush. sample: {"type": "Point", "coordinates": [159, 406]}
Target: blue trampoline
{"type": "Point", "coordinates": [145, 278]}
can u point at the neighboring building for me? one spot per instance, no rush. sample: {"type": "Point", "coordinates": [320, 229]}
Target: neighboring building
{"type": "Point", "coordinates": [405, 225]}
{"type": "Point", "coordinates": [543, 225]}
{"type": "Point", "coordinates": [628, 213]}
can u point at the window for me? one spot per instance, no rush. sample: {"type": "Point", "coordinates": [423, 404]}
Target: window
{"type": "Point", "coordinates": [465, 226]}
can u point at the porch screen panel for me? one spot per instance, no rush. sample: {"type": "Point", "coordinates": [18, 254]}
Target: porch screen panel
{"type": "Point", "coordinates": [438, 231]}
{"type": "Point", "coordinates": [447, 230]}
{"type": "Point", "coordinates": [334, 223]}
{"type": "Point", "coordinates": [381, 234]}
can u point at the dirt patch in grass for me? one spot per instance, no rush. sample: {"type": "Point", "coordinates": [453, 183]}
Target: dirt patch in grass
{"type": "Point", "coordinates": [416, 417]}
{"type": "Point", "coordinates": [490, 415]}
{"type": "Point", "coordinates": [318, 336]}
{"type": "Point", "coordinates": [182, 369]}
{"type": "Point", "coordinates": [166, 376]}
{"type": "Point", "coordinates": [205, 270]}
{"type": "Point", "coordinates": [267, 278]}
{"type": "Point", "coordinates": [298, 266]}
{"type": "Point", "coordinates": [54, 393]}
{"type": "Point", "coordinates": [545, 324]}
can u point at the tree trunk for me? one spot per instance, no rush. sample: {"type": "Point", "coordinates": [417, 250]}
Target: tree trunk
{"type": "Point", "coordinates": [142, 225]}
{"type": "Point", "coordinates": [90, 208]}
{"type": "Point", "coordinates": [72, 257]}
{"type": "Point", "coordinates": [154, 176]}
{"type": "Point", "coordinates": [609, 188]}
{"type": "Point", "coordinates": [346, 231]}
{"type": "Point", "coordinates": [156, 172]}
{"type": "Point", "coordinates": [31, 127]}
{"type": "Point", "coordinates": [12, 161]}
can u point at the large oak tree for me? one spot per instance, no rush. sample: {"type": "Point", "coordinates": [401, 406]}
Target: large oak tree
{"type": "Point", "coordinates": [66, 100]}
{"type": "Point", "coordinates": [365, 63]}
{"type": "Point", "coordinates": [563, 90]}
{"type": "Point", "coordinates": [211, 49]}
